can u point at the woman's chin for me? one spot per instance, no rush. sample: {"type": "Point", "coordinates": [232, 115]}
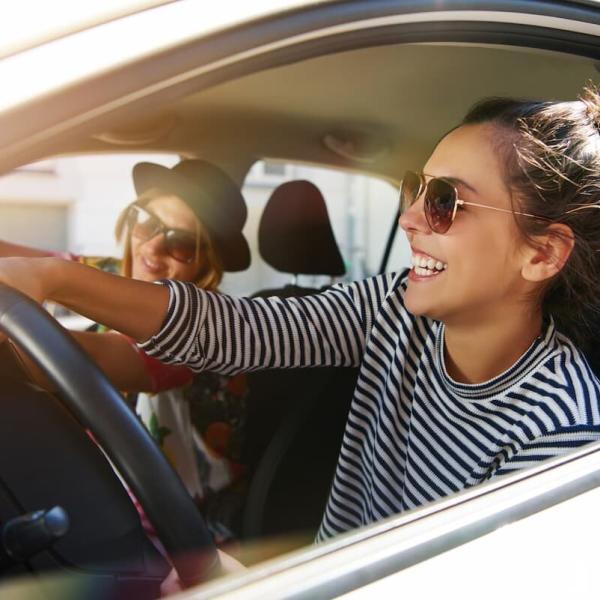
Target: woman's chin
{"type": "Point", "coordinates": [418, 303]}
{"type": "Point", "coordinates": [144, 275]}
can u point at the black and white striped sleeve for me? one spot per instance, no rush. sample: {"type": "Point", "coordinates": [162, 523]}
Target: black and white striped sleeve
{"type": "Point", "coordinates": [549, 446]}
{"type": "Point", "coordinates": [214, 332]}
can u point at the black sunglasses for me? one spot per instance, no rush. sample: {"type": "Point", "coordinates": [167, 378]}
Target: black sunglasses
{"type": "Point", "coordinates": [441, 200]}
{"type": "Point", "coordinates": [179, 244]}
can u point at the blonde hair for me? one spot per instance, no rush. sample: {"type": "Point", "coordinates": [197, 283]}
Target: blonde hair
{"type": "Point", "coordinates": [210, 266]}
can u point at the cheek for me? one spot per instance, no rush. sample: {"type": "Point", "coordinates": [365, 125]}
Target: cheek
{"type": "Point", "coordinates": [486, 268]}
{"type": "Point", "coordinates": [484, 249]}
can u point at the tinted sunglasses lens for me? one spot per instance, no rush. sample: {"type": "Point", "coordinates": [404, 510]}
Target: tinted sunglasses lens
{"type": "Point", "coordinates": [180, 246]}
{"type": "Point", "coordinates": [440, 200]}
{"type": "Point", "coordinates": [143, 225]}
{"type": "Point", "coordinates": [409, 190]}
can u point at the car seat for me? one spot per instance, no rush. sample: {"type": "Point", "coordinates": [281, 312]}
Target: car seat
{"type": "Point", "coordinates": [295, 236]}
{"type": "Point", "coordinates": [295, 417]}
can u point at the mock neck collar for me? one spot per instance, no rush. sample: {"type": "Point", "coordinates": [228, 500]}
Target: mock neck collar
{"type": "Point", "coordinates": [537, 352]}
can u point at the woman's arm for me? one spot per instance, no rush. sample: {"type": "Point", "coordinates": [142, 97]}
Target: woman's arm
{"type": "Point", "coordinates": [135, 308]}
{"type": "Point", "coordinates": [559, 442]}
{"type": "Point", "coordinates": [128, 369]}
{"type": "Point", "coordinates": [117, 358]}
{"type": "Point", "coordinates": [212, 332]}
{"type": "Point", "coordinates": [183, 324]}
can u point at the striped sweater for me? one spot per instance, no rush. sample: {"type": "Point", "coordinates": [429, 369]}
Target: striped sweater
{"type": "Point", "coordinates": [413, 434]}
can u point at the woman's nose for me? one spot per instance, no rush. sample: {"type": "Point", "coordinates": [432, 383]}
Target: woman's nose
{"type": "Point", "coordinates": [413, 219]}
{"type": "Point", "coordinates": [156, 244]}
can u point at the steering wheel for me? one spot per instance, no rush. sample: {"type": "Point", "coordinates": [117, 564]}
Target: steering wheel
{"type": "Point", "coordinates": [90, 397]}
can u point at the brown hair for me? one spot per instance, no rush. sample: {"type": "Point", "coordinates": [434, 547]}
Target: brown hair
{"type": "Point", "coordinates": [550, 152]}
{"type": "Point", "coordinates": [211, 268]}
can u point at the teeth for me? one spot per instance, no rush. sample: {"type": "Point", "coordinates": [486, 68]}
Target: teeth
{"type": "Point", "coordinates": [426, 265]}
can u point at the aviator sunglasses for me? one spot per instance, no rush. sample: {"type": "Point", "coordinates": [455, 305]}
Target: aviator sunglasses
{"type": "Point", "coordinates": [441, 200]}
{"type": "Point", "coordinates": [178, 243]}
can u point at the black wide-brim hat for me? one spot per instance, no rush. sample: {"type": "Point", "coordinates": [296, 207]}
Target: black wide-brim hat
{"type": "Point", "coordinates": [213, 197]}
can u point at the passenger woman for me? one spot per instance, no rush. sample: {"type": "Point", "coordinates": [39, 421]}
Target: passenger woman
{"type": "Point", "coordinates": [185, 225]}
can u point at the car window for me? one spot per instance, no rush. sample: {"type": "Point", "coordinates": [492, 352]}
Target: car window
{"type": "Point", "coordinates": [70, 204]}
{"type": "Point", "coordinates": [361, 210]}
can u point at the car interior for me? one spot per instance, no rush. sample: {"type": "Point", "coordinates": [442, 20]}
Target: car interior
{"type": "Point", "coordinates": [295, 418]}
{"type": "Point", "coordinates": [377, 108]}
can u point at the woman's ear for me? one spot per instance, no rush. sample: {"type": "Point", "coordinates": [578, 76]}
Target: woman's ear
{"type": "Point", "coordinates": [548, 253]}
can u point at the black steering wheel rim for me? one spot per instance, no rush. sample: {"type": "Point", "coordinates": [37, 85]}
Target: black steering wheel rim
{"type": "Point", "coordinates": [90, 397]}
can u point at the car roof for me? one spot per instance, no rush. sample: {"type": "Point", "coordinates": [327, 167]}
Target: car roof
{"type": "Point", "coordinates": [324, 95]}
{"type": "Point", "coordinates": [31, 23]}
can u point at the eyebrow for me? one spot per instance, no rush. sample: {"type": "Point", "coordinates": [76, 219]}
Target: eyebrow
{"type": "Point", "coordinates": [454, 181]}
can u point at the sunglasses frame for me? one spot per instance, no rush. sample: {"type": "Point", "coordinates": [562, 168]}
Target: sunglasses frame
{"type": "Point", "coordinates": [423, 185]}
{"type": "Point", "coordinates": [161, 229]}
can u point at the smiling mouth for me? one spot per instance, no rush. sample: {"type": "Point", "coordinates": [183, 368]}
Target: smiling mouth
{"type": "Point", "coordinates": [427, 266]}
{"type": "Point", "coordinates": [149, 266]}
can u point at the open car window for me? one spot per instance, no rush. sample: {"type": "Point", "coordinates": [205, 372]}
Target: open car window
{"type": "Point", "coordinates": [70, 204]}
{"type": "Point", "coordinates": [361, 210]}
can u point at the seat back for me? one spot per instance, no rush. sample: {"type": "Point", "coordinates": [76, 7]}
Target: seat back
{"type": "Point", "coordinates": [295, 417]}
{"type": "Point", "coordinates": [295, 234]}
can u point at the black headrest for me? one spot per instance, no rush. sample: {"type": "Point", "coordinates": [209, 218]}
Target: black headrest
{"type": "Point", "coordinates": [295, 235]}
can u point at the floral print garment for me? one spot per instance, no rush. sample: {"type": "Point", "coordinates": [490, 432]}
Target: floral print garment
{"type": "Point", "coordinates": [198, 424]}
